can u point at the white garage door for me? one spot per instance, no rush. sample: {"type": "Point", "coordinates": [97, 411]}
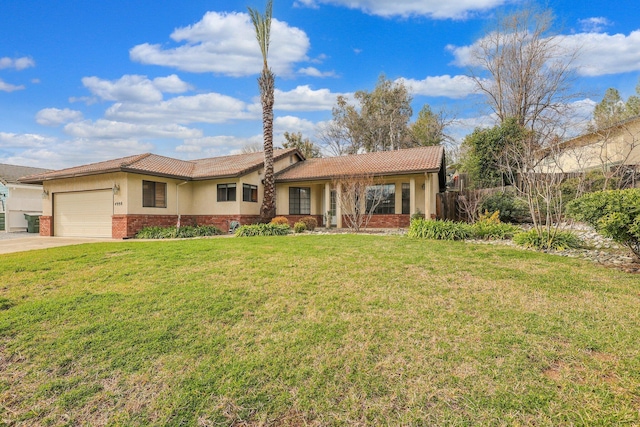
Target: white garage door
{"type": "Point", "coordinates": [83, 214]}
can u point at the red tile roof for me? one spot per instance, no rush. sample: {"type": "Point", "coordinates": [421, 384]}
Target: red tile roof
{"type": "Point", "coordinates": [414, 160]}
{"type": "Point", "coordinates": [400, 162]}
{"type": "Point", "coordinates": [152, 164]}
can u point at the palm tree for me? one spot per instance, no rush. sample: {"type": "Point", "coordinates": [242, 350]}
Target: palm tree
{"type": "Point", "coordinates": [266, 83]}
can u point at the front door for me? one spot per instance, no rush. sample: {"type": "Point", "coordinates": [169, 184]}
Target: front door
{"type": "Point", "coordinates": [332, 208]}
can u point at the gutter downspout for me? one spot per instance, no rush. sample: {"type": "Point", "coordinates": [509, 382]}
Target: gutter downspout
{"type": "Point", "coordinates": [178, 202]}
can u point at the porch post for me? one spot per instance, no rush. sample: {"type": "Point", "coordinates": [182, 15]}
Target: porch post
{"type": "Point", "coordinates": [338, 206]}
{"type": "Point", "coordinates": [427, 196]}
{"type": "Point", "coordinates": [412, 196]}
{"type": "Point", "coordinates": [327, 203]}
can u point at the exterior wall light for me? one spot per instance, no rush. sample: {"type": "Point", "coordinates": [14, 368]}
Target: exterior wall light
{"type": "Point", "coordinates": [116, 188]}
{"type": "Point", "coordinates": [45, 194]}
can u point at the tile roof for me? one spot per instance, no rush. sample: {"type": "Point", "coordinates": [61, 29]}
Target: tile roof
{"type": "Point", "coordinates": [411, 160]}
{"type": "Point", "coordinates": [152, 164]}
{"type": "Point", "coordinates": [9, 174]}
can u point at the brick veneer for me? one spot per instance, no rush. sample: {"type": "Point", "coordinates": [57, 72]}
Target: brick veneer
{"type": "Point", "coordinates": [387, 221]}
{"type": "Point", "coordinates": [128, 225]}
{"type": "Point", "coordinates": [45, 226]}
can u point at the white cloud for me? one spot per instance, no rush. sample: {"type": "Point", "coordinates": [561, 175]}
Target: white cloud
{"type": "Point", "coordinates": [594, 25]}
{"type": "Point", "coordinates": [24, 140]}
{"type": "Point", "coordinates": [56, 116]}
{"type": "Point", "coordinates": [303, 98]}
{"type": "Point", "coordinates": [108, 129]}
{"type": "Point", "coordinates": [74, 152]}
{"type": "Point", "coordinates": [134, 87]}
{"type": "Point", "coordinates": [18, 63]}
{"type": "Point", "coordinates": [602, 54]}
{"type": "Point", "coordinates": [437, 9]}
{"type": "Point", "coordinates": [7, 87]}
{"type": "Point", "coordinates": [203, 108]}
{"type": "Point", "coordinates": [225, 43]}
{"type": "Point", "coordinates": [294, 124]}
{"type": "Point", "coordinates": [314, 72]}
{"type": "Point", "coordinates": [211, 146]}
{"type": "Point", "coordinates": [599, 53]}
{"type": "Point", "coordinates": [455, 87]}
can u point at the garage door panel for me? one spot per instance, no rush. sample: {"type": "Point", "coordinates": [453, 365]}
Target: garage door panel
{"type": "Point", "coordinates": [83, 214]}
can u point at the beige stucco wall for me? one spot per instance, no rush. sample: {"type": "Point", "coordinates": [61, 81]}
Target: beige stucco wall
{"type": "Point", "coordinates": [597, 150]}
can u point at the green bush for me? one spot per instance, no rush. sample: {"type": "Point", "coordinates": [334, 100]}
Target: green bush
{"type": "Point", "coordinates": [439, 230]}
{"type": "Point", "coordinates": [310, 222]}
{"type": "Point", "coordinates": [558, 240]}
{"type": "Point", "coordinates": [299, 227]}
{"type": "Point", "coordinates": [613, 213]}
{"type": "Point", "coordinates": [512, 208]}
{"type": "Point", "coordinates": [175, 233]}
{"type": "Point", "coordinates": [262, 230]}
{"type": "Point", "coordinates": [591, 182]}
{"type": "Point", "coordinates": [491, 228]}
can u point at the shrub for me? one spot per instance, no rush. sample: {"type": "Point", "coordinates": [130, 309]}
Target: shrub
{"type": "Point", "coordinates": [592, 181]}
{"type": "Point", "coordinates": [613, 213]}
{"type": "Point", "coordinates": [281, 220]}
{"type": "Point", "coordinates": [417, 215]}
{"type": "Point", "coordinates": [558, 240]}
{"type": "Point", "coordinates": [310, 222]}
{"type": "Point", "coordinates": [439, 230]}
{"type": "Point", "coordinates": [511, 208]}
{"type": "Point", "coordinates": [299, 227]}
{"type": "Point", "coordinates": [490, 227]}
{"type": "Point", "coordinates": [174, 232]}
{"type": "Point", "coordinates": [262, 230]}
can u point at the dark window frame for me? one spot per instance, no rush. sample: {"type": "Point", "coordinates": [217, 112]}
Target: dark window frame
{"type": "Point", "coordinates": [150, 192]}
{"type": "Point", "coordinates": [406, 198]}
{"type": "Point", "coordinates": [226, 192]}
{"type": "Point", "coordinates": [249, 193]}
{"type": "Point", "coordinates": [299, 200]}
{"type": "Point", "coordinates": [387, 205]}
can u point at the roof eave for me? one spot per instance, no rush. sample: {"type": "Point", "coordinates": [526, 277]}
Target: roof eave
{"type": "Point", "coordinates": [375, 175]}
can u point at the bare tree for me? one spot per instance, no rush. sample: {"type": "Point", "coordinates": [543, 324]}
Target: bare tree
{"type": "Point", "coordinates": [359, 196]}
{"type": "Point", "coordinates": [526, 75]}
{"type": "Point", "coordinates": [524, 70]}
{"type": "Point", "coordinates": [266, 82]}
{"type": "Point", "coordinates": [618, 147]}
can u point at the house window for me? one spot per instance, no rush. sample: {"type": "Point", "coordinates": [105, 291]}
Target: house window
{"type": "Point", "coordinates": [406, 198]}
{"type": "Point", "coordinates": [299, 200]}
{"type": "Point", "coordinates": [226, 192]}
{"type": "Point", "coordinates": [249, 193]}
{"type": "Point", "coordinates": [381, 199]}
{"type": "Point", "coordinates": [154, 194]}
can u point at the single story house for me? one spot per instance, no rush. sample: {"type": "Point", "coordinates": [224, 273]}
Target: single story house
{"type": "Point", "coordinates": [17, 199]}
{"type": "Point", "coordinates": [117, 198]}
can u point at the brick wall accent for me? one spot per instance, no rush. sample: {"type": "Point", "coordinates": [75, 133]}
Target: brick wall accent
{"type": "Point", "coordinates": [123, 226]}
{"type": "Point", "coordinates": [46, 228]}
{"type": "Point", "coordinates": [295, 218]}
{"type": "Point", "coordinates": [386, 221]}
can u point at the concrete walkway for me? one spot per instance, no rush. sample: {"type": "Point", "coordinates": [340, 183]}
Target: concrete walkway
{"type": "Point", "coordinates": [19, 242]}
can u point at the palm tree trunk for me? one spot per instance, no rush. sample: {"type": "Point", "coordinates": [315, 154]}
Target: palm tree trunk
{"type": "Point", "coordinates": [266, 82]}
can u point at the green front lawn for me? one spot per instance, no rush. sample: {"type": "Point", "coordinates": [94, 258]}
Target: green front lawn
{"type": "Point", "coordinates": [315, 330]}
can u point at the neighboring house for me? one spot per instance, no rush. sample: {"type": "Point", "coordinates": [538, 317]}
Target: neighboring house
{"type": "Point", "coordinates": [16, 198]}
{"type": "Point", "coordinates": [613, 149]}
{"type": "Point", "coordinates": [118, 197]}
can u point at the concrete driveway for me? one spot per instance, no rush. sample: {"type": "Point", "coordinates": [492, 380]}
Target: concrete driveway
{"type": "Point", "coordinates": [19, 242]}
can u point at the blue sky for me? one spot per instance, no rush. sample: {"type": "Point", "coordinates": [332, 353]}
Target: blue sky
{"type": "Point", "coordinates": [82, 82]}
